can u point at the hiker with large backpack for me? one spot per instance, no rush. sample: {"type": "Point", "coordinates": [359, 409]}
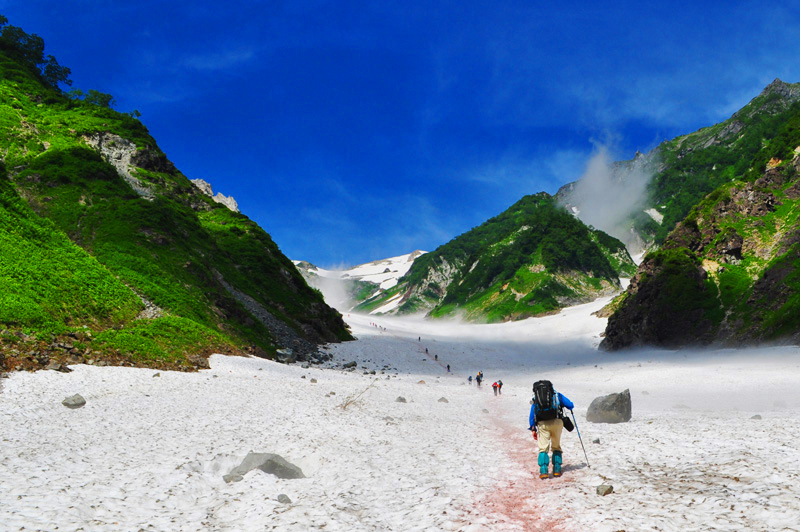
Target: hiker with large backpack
{"type": "Point", "coordinates": [547, 421]}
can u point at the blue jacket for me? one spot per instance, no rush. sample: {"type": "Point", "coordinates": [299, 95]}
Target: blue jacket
{"type": "Point", "coordinates": [562, 402]}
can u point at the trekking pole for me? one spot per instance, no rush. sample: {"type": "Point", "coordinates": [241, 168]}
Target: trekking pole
{"type": "Point", "coordinates": [579, 438]}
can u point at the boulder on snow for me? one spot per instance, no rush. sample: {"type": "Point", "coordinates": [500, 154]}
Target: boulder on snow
{"type": "Point", "coordinates": [74, 401]}
{"type": "Point", "coordinates": [596, 440]}
{"type": "Point", "coordinates": [350, 365]}
{"type": "Point", "coordinates": [757, 416]}
{"type": "Point", "coordinates": [612, 408]}
{"type": "Point", "coordinates": [284, 499]}
{"type": "Point", "coordinates": [400, 399]}
{"type": "Point", "coordinates": [605, 489]}
{"type": "Point", "coordinates": [443, 400]}
{"type": "Point", "coordinates": [266, 462]}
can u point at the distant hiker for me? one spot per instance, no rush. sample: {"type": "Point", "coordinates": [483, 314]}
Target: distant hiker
{"type": "Point", "coordinates": [494, 387]}
{"type": "Point", "coordinates": [419, 338]}
{"type": "Point", "coordinates": [500, 387]}
{"type": "Point", "coordinates": [448, 368]}
{"type": "Point", "coordinates": [469, 380]}
{"type": "Point", "coordinates": [546, 422]}
{"type": "Point", "coordinates": [426, 350]}
{"type": "Point", "coordinates": [479, 378]}
{"type": "Point", "coordinates": [436, 357]}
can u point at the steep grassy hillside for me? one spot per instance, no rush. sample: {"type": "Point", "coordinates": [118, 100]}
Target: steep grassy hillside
{"type": "Point", "coordinates": [96, 176]}
{"type": "Point", "coordinates": [687, 168]}
{"type": "Point", "coordinates": [532, 259]}
{"type": "Point", "coordinates": [728, 272]}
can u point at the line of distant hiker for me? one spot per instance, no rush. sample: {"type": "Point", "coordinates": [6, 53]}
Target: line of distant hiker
{"type": "Point", "coordinates": [497, 385]}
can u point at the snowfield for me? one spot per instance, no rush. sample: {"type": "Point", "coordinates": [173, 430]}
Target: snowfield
{"type": "Point", "coordinates": [149, 449]}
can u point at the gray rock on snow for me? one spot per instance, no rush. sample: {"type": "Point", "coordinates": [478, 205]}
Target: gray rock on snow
{"type": "Point", "coordinates": [74, 401]}
{"type": "Point", "coordinates": [596, 440]}
{"type": "Point", "coordinates": [605, 489]}
{"type": "Point", "coordinates": [266, 462]}
{"type": "Point", "coordinates": [400, 399]}
{"type": "Point", "coordinates": [284, 499]}
{"type": "Point", "coordinates": [350, 364]}
{"type": "Point", "coordinates": [757, 416]}
{"type": "Point", "coordinates": [443, 400]}
{"type": "Point", "coordinates": [612, 408]}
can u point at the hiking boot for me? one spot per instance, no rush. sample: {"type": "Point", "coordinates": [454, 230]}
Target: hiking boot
{"type": "Point", "coordinates": [556, 463]}
{"type": "Point", "coordinates": [544, 462]}
{"type": "Point", "coordinates": [544, 476]}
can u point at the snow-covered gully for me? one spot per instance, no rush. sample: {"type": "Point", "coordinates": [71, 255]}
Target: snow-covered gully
{"type": "Point", "coordinates": [149, 449]}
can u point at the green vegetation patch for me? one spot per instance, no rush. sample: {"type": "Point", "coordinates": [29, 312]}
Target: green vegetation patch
{"type": "Point", "coordinates": [169, 339]}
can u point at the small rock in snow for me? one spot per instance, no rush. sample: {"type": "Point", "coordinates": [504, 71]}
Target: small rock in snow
{"type": "Point", "coordinates": [156, 375]}
{"type": "Point", "coordinates": [400, 399]}
{"type": "Point", "coordinates": [421, 382]}
{"type": "Point", "coordinates": [757, 416]}
{"type": "Point", "coordinates": [284, 499]}
{"type": "Point", "coordinates": [485, 411]}
{"type": "Point", "coordinates": [443, 400]}
{"type": "Point", "coordinates": [596, 440]}
{"type": "Point", "coordinates": [266, 462]}
{"type": "Point", "coordinates": [605, 489]}
{"type": "Point", "coordinates": [350, 364]}
{"type": "Point", "coordinates": [302, 376]}
{"type": "Point", "coordinates": [75, 401]}
{"type": "Point", "coordinates": [313, 381]}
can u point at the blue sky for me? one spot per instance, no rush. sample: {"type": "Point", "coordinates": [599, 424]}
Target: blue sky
{"type": "Point", "coordinates": [353, 131]}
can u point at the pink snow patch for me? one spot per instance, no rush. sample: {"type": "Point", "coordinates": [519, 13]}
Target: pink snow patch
{"type": "Point", "coordinates": [517, 502]}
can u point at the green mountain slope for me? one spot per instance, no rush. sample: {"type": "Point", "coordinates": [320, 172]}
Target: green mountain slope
{"type": "Point", "coordinates": [97, 176]}
{"type": "Point", "coordinates": [532, 259]}
{"type": "Point", "coordinates": [688, 167]}
{"type": "Point", "coordinates": [728, 273]}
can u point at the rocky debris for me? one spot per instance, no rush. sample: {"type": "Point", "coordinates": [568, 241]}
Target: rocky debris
{"type": "Point", "coordinates": [266, 462]}
{"type": "Point", "coordinates": [205, 187]}
{"type": "Point", "coordinates": [313, 381]}
{"type": "Point", "coordinates": [420, 382]}
{"type": "Point", "coordinates": [284, 499]}
{"type": "Point", "coordinates": [605, 489]}
{"type": "Point", "coordinates": [74, 401]}
{"type": "Point", "coordinates": [400, 399]}
{"type": "Point", "coordinates": [55, 366]}
{"type": "Point", "coordinates": [443, 400]}
{"type": "Point", "coordinates": [286, 356]}
{"type": "Point", "coordinates": [349, 365]}
{"type": "Point", "coordinates": [485, 411]}
{"type": "Point", "coordinates": [151, 310]}
{"type": "Point", "coordinates": [612, 408]}
{"type": "Point", "coordinates": [757, 416]}
{"type": "Point", "coordinates": [596, 440]}
{"type": "Point", "coordinates": [283, 335]}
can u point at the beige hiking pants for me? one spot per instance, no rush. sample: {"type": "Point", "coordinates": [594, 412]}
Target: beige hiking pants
{"type": "Point", "coordinates": [550, 434]}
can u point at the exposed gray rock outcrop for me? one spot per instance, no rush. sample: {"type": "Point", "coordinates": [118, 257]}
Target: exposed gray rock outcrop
{"type": "Point", "coordinates": [121, 154]}
{"type": "Point", "coordinates": [612, 408]}
{"type": "Point", "coordinates": [205, 187]}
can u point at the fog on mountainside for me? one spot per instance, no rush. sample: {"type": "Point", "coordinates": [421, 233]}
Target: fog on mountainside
{"type": "Point", "coordinates": [609, 194]}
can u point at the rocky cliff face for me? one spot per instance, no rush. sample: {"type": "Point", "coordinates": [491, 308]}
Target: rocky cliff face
{"type": "Point", "coordinates": [727, 274]}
